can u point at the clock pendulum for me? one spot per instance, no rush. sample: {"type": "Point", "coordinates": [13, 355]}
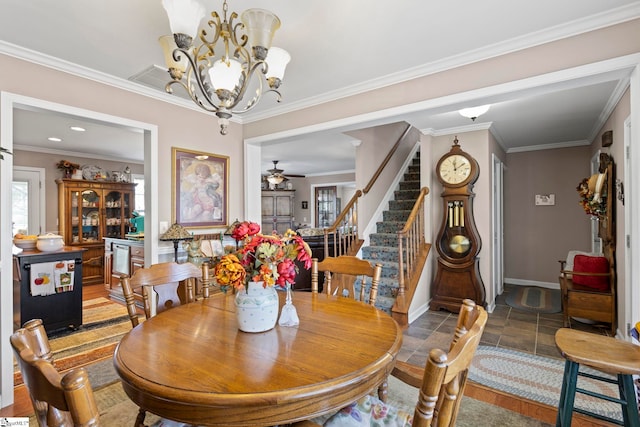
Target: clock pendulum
{"type": "Point", "coordinates": [458, 242]}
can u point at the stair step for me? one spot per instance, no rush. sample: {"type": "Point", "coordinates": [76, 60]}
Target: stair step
{"type": "Point", "coordinates": [384, 243]}
{"type": "Point", "coordinates": [383, 239]}
{"type": "Point", "coordinates": [412, 176]}
{"type": "Point", "coordinates": [406, 194]}
{"type": "Point", "coordinates": [389, 226]}
{"type": "Point", "coordinates": [401, 205]}
{"type": "Point", "coordinates": [410, 185]}
{"type": "Point", "coordinates": [379, 253]}
{"type": "Point", "coordinates": [402, 215]}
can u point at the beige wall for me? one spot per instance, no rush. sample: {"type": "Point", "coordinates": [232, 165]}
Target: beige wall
{"type": "Point", "coordinates": [536, 237]}
{"type": "Point", "coordinates": [376, 145]}
{"type": "Point", "coordinates": [177, 126]}
{"type": "Point", "coordinates": [304, 192]}
{"type": "Point", "coordinates": [48, 163]}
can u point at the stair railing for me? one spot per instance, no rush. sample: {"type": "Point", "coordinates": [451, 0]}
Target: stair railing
{"type": "Point", "coordinates": [411, 242]}
{"type": "Point", "coordinates": [344, 230]}
{"type": "Point", "coordinates": [347, 221]}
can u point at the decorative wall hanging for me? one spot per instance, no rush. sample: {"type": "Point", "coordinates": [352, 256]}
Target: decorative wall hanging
{"type": "Point", "coordinates": [200, 188]}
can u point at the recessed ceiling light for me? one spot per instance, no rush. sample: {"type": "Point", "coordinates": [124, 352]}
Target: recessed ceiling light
{"type": "Point", "coordinates": [54, 139]}
{"type": "Point", "coordinates": [77, 128]}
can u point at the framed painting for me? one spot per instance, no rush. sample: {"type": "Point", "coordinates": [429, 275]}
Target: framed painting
{"type": "Point", "coordinates": [200, 188]}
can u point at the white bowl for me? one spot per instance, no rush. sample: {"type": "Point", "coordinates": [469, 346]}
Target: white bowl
{"type": "Point", "coordinates": [25, 243]}
{"type": "Point", "coordinates": [50, 242]}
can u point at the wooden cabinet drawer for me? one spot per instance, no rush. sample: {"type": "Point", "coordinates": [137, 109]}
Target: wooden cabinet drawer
{"type": "Point", "coordinates": [137, 251]}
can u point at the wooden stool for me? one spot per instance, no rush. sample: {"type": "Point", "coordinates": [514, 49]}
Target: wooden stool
{"type": "Point", "coordinates": [605, 354]}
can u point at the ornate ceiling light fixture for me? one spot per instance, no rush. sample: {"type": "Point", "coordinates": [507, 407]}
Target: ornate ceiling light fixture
{"type": "Point", "coordinates": [218, 85]}
{"type": "Point", "coordinates": [474, 112]}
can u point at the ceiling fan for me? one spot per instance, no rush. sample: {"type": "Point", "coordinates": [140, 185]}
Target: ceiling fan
{"type": "Point", "coordinates": [276, 176]}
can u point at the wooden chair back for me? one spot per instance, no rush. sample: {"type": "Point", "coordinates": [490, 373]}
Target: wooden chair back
{"type": "Point", "coordinates": [58, 401]}
{"type": "Point", "coordinates": [443, 379]}
{"type": "Point", "coordinates": [169, 283]}
{"type": "Point", "coordinates": [341, 275]}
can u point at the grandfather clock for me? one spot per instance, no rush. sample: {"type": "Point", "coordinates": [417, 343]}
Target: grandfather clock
{"type": "Point", "coordinates": [458, 242]}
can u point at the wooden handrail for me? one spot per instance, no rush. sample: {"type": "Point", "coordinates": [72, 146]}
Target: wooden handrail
{"type": "Point", "coordinates": [410, 242]}
{"type": "Point", "coordinates": [344, 229]}
{"type": "Point", "coordinates": [384, 163]}
{"type": "Point", "coordinates": [347, 220]}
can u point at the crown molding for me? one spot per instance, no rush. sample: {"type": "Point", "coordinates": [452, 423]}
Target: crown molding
{"type": "Point", "coordinates": [573, 28]}
{"type": "Point", "coordinates": [558, 32]}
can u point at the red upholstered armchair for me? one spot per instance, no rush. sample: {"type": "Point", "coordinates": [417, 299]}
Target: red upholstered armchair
{"type": "Point", "coordinates": [587, 282]}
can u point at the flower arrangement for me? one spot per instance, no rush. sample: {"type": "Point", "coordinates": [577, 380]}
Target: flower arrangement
{"type": "Point", "coordinates": [261, 258]}
{"type": "Point", "coordinates": [67, 167]}
{"type": "Point", "coordinates": [592, 200]}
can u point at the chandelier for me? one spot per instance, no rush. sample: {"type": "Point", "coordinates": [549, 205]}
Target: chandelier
{"type": "Point", "coordinates": [218, 84]}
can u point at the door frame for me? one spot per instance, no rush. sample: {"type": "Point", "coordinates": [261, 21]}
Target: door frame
{"type": "Point", "coordinates": [9, 101]}
{"type": "Point", "coordinates": [497, 222]}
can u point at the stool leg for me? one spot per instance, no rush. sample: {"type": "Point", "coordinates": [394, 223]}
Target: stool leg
{"type": "Point", "coordinates": [567, 394]}
{"type": "Point", "coordinates": [627, 394]}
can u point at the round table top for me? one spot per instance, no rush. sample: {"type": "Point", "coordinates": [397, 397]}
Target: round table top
{"type": "Point", "coordinates": [193, 364]}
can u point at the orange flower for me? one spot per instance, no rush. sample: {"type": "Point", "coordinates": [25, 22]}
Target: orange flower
{"type": "Point", "coordinates": [262, 258]}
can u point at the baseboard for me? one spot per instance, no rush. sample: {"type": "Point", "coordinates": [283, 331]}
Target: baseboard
{"type": "Point", "coordinates": [522, 282]}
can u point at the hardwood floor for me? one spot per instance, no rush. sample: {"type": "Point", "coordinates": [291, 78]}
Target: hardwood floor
{"type": "Point", "coordinates": [431, 330]}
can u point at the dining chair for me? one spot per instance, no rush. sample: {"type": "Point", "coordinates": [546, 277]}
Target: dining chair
{"type": "Point", "coordinates": [58, 401]}
{"type": "Point", "coordinates": [169, 283]}
{"type": "Point", "coordinates": [342, 274]}
{"type": "Point", "coordinates": [441, 383]}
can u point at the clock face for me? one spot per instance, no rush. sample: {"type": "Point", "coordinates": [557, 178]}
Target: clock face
{"type": "Point", "coordinates": [455, 169]}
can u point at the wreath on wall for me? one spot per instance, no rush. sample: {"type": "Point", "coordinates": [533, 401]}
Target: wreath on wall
{"type": "Point", "coordinates": [593, 198]}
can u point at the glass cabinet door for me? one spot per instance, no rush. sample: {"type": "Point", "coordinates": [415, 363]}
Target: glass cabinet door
{"type": "Point", "coordinates": [77, 220]}
{"type": "Point", "coordinates": [90, 211]}
{"type": "Point", "coordinates": [118, 212]}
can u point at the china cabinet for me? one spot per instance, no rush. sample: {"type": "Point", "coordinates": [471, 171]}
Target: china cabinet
{"type": "Point", "coordinates": [277, 211]}
{"type": "Point", "coordinates": [89, 211]}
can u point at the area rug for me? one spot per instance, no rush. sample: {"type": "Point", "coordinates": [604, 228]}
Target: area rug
{"type": "Point", "coordinates": [535, 299]}
{"type": "Point", "coordinates": [538, 378]}
{"type": "Point", "coordinates": [116, 409]}
{"type": "Point", "coordinates": [104, 324]}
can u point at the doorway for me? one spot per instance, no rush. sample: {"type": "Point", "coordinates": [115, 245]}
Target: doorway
{"type": "Point", "coordinates": [327, 209]}
{"type": "Point", "coordinates": [27, 215]}
{"type": "Point", "coordinates": [9, 102]}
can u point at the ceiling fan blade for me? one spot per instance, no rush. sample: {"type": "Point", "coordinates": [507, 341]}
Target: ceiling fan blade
{"type": "Point", "coordinates": [292, 175]}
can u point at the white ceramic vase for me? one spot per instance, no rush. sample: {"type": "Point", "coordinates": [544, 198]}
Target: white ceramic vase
{"type": "Point", "coordinates": [257, 307]}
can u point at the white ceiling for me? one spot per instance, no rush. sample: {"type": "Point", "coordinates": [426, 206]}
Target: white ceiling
{"type": "Point", "coordinates": [337, 48]}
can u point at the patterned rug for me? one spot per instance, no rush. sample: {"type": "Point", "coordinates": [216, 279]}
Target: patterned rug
{"type": "Point", "coordinates": [535, 299]}
{"type": "Point", "coordinates": [116, 409]}
{"type": "Point", "coordinates": [538, 378]}
{"type": "Point", "coordinates": [104, 323]}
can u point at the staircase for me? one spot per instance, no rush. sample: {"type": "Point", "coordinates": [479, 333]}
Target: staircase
{"type": "Point", "coordinates": [383, 244]}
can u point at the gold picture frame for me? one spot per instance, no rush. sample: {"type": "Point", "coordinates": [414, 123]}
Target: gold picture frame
{"type": "Point", "coordinates": [200, 188]}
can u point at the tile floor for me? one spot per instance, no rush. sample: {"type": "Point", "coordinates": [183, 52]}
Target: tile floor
{"type": "Point", "coordinates": [506, 327]}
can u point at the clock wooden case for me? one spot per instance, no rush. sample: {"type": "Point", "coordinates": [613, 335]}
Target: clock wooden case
{"type": "Point", "coordinates": [458, 242]}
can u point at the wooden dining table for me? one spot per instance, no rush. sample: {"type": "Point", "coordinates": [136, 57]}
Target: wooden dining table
{"type": "Point", "coordinates": [192, 363]}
